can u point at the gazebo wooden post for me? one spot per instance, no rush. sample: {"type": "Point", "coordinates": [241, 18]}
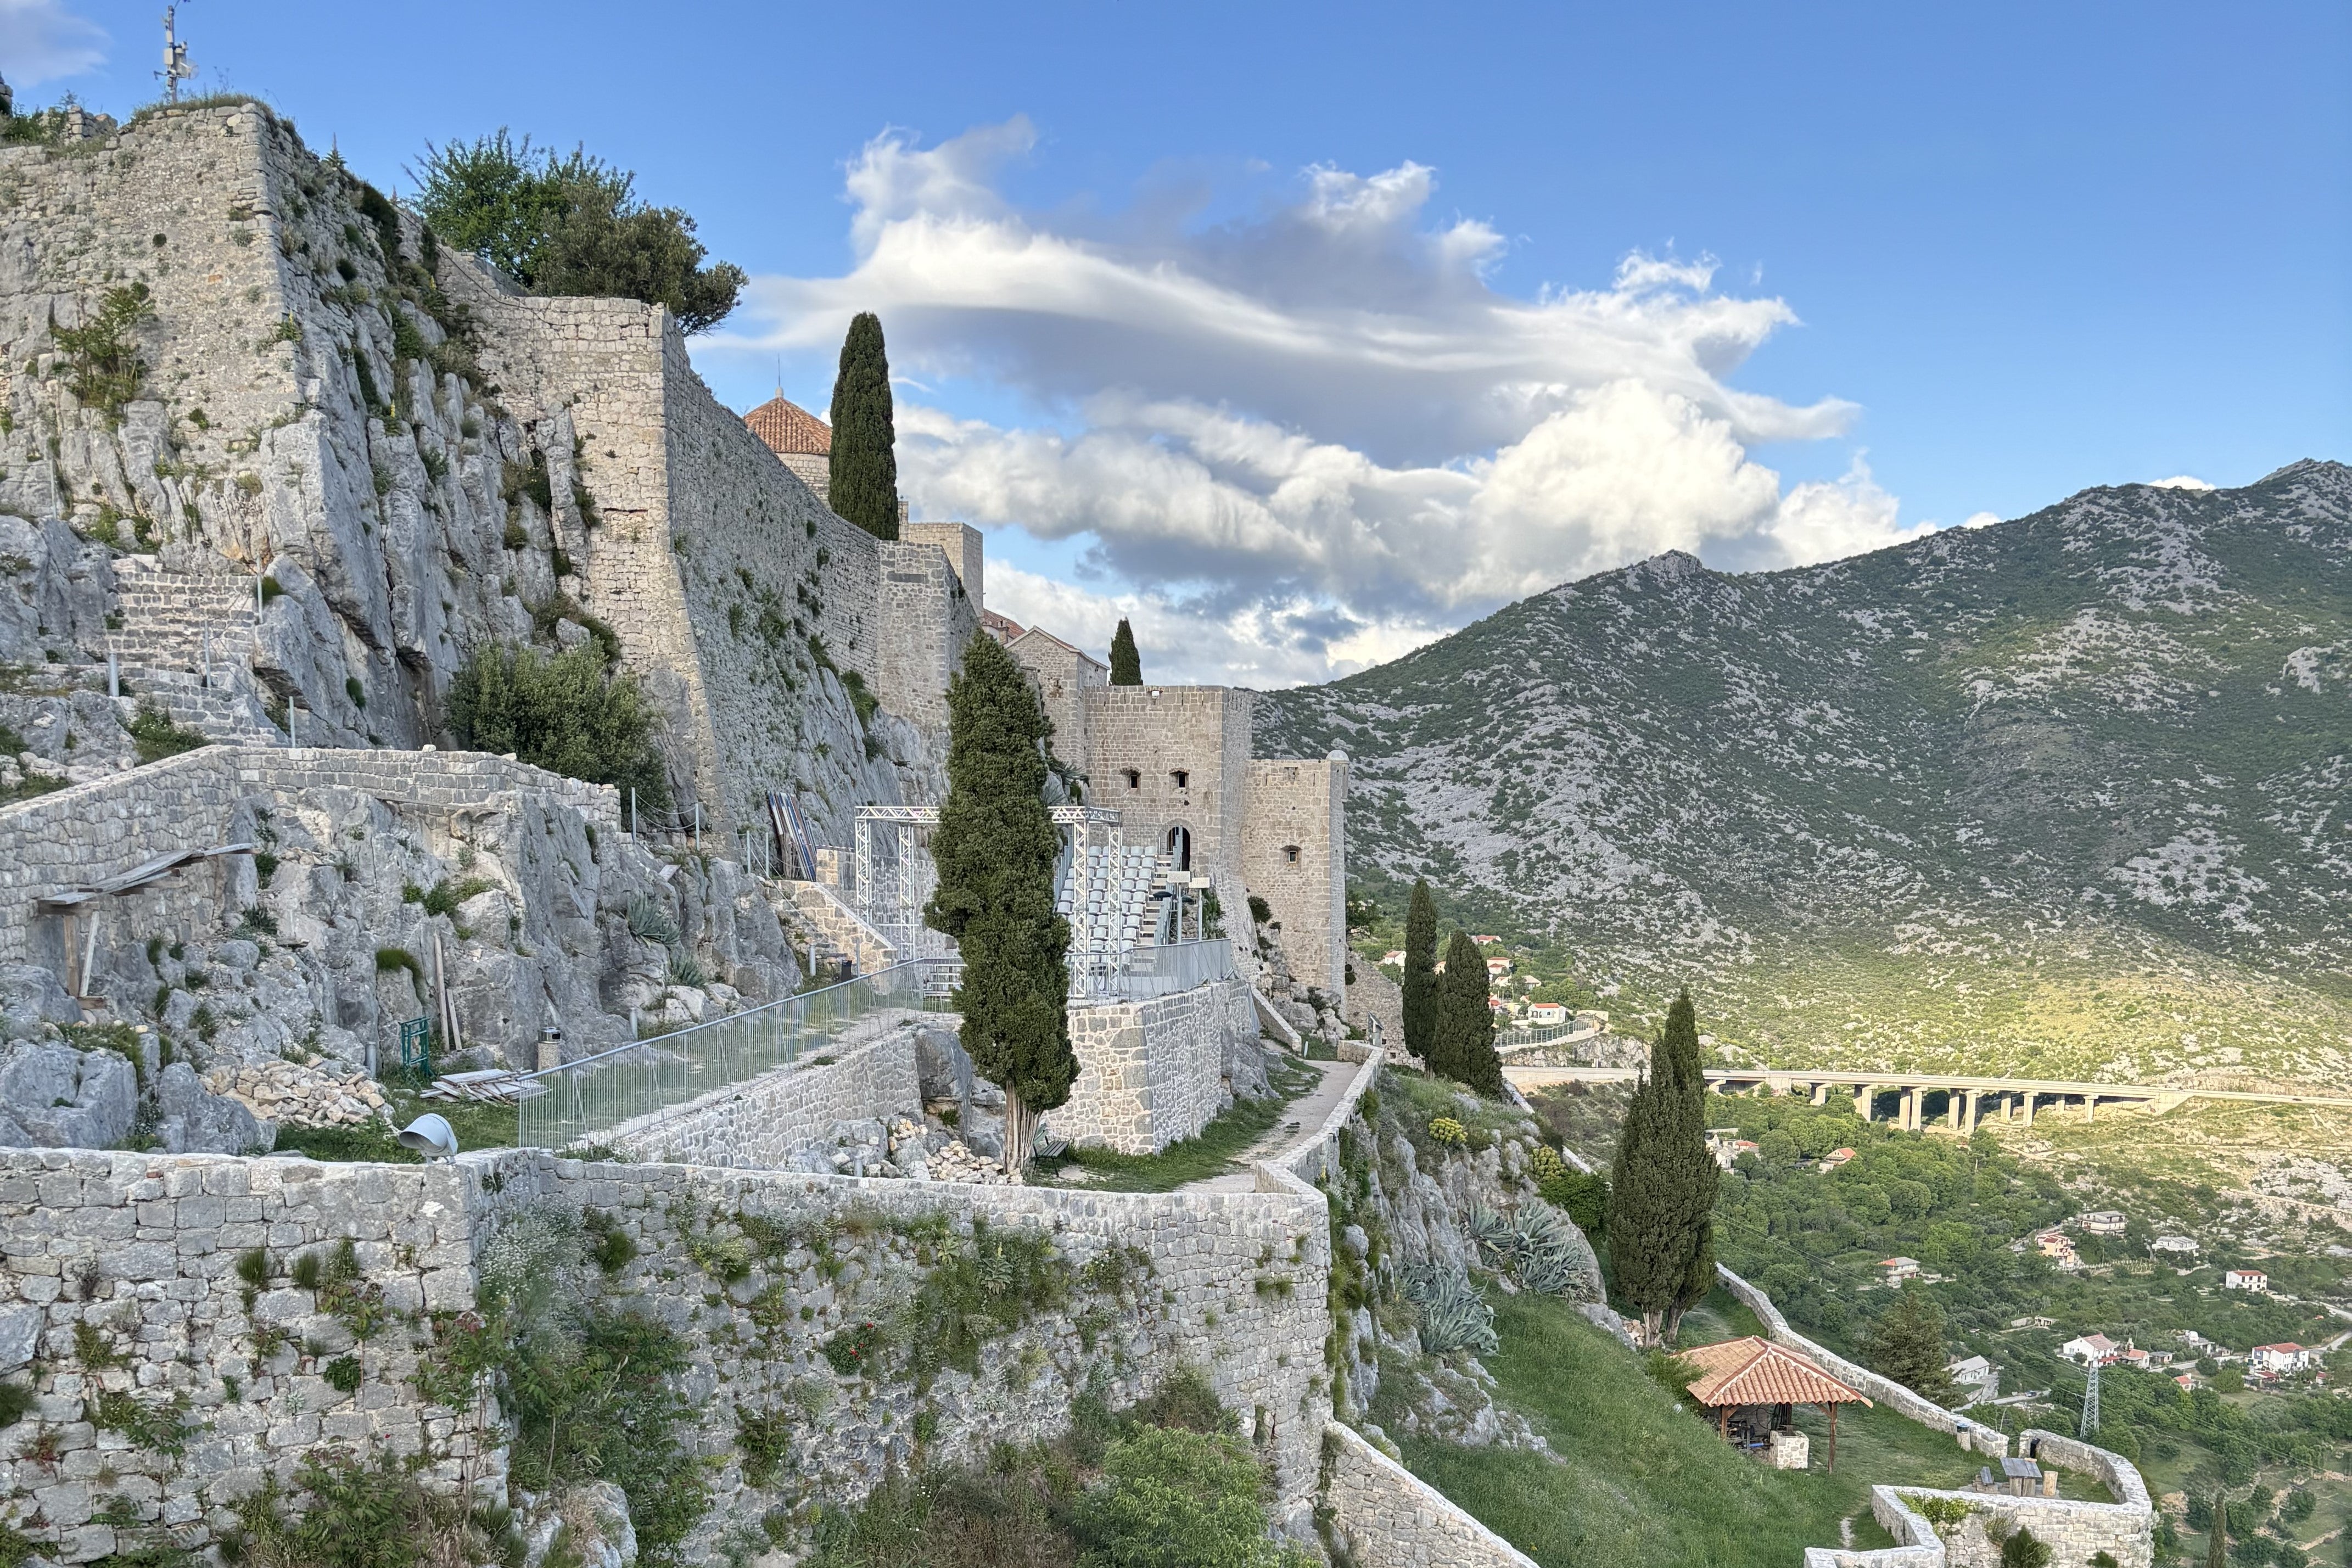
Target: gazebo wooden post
{"type": "Point", "coordinates": [1833, 1410]}
{"type": "Point", "coordinates": [1723, 1422]}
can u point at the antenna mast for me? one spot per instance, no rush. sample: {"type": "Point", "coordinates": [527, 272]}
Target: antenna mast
{"type": "Point", "coordinates": [2090, 1426]}
{"type": "Point", "coordinates": [176, 68]}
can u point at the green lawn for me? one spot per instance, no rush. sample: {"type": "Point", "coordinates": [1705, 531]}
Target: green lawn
{"type": "Point", "coordinates": [1641, 1481]}
{"type": "Point", "coordinates": [1214, 1151]}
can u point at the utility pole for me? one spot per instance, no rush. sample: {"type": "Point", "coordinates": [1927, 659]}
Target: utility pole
{"type": "Point", "coordinates": [176, 66]}
{"type": "Point", "coordinates": [2090, 1425]}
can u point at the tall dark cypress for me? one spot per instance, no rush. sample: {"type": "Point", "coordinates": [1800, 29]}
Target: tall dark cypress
{"type": "Point", "coordinates": [2217, 1540]}
{"type": "Point", "coordinates": [1662, 1192]}
{"type": "Point", "coordinates": [995, 849]}
{"type": "Point", "coordinates": [1126, 662]}
{"type": "Point", "coordinates": [1420, 972]}
{"type": "Point", "coordinates": [1465, 1047]}
{"type": "Point", "coordinates": [864, 483]}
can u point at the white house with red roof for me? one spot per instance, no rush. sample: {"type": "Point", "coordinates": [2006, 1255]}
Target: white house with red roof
{"type": "Point", "coordinates": [2245, 1279]}
{"type": "Point", "coordinates": [2282, 1359]}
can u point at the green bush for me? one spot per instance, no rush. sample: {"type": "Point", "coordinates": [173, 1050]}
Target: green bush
{"type": "Point", "coordinates": [571, 225]}
{"type": "Point", "coordinates": [1172, 1498]}
{"type": "Point", "coordinates": [104, 350]}
{"type": "Point", "coordinates": [157, 737]}
{"type": "Point", "coordinates": [567, 714]}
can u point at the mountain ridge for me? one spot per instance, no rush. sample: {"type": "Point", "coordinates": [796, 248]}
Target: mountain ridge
{"type": "Point", "coordinates": [2064, 790]}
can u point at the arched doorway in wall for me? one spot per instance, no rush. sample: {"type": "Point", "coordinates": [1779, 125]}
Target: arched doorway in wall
{"type": "Point", "coordinates": [1180, 847]}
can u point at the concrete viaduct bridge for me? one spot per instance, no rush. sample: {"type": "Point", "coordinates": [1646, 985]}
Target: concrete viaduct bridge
{"type": "Point", "coordinates": [1968, 1100]}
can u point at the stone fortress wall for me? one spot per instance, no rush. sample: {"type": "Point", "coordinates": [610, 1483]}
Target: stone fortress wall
{"type": "Point", "coordinates": [1173, 756]}
{"type": "Point", "coordinates": [1294, 855]}
{"type": "Point", "coordinates": [1152, 1072]}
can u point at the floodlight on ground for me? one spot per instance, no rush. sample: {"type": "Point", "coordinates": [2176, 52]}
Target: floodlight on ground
{"type": "Point", "coordinates": [431, 1136]}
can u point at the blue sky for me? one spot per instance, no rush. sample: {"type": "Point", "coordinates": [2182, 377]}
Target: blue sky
{"type": "Point", "coordinates": [1992, 254]}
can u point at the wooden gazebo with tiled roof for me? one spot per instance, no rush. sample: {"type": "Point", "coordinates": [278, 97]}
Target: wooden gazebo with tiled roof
{"type": "Point", "coordinates": [1743, 1374]}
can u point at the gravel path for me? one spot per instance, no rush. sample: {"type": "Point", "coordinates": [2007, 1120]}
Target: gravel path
{"type": "Point", "coordinates": [1302, 1121]}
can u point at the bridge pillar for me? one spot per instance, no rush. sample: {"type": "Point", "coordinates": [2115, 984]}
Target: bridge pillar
{"type": "Point", "coordinates": [1952, 1109]}
{"type": "Point", "coordinates": [2090, 1108]}
{"type": "Point", "coordinates": [2029, 1107]}
{"type": "Point", "coordinates": [1911, 1110]}
{"type": "Point", "coordinates": [1820, 1093]}
{"type": "Point", "coordinates": [1862, 1098]}
{"type": "Point", "coordinates": [1969, 1121]}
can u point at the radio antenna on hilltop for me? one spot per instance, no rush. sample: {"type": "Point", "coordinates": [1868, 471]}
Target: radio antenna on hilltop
{"type": "Point", "coordinates": [176, 68]}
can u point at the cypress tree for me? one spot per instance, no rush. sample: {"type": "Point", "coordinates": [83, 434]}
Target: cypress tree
{"type": "Point", "coordinates": [1125, 663]}
{"type": "Point", "coordinates": [2217, 1540]}
{"type": "Point", "coordinates": [1465, 1026]}
{"type": "Point", "coordinates": [1907, 1344]}
{"type": "Point", "coordinates": [864, 474]}
{"type": "Point", "coordinates": [995, 849]}
{"type": "Point", "coordinates": [1662, 1191]}
{"type": "Point", "coordinates": [1419, 973]}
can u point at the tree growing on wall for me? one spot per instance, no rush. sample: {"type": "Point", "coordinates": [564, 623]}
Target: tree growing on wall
{"type": "Point", "coordinates": [571, 225]}
{"type": "Point", "coordinates": [995, 849]}
{"type": "Point", "coordinates": [1662, 1191]}
{"type": "Point", "coordinates": [1907, 1344]}
{"type": "Point", "coordinates": [1461, 1045]}
{"type": "Point", "coordinates": [1126, 662]}
{"type": "Point", "coordinates": [1420, 972]}
{"type": "Point", "coordinates": [865, 463]}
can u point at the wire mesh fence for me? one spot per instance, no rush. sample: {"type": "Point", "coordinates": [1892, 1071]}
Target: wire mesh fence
{"type": "Point", "coordinates": [581, 1101]}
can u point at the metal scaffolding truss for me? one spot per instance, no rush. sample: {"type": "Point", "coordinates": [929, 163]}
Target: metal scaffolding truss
{"type": "Point", "coordinates": [896, 877]}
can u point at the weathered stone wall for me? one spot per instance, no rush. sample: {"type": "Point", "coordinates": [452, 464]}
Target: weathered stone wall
{"type": "Point", "coordinates": [924, 619]}
{"type": "Point", "coordinates": [1159, 732]}
{"type": "Point", "coordinates": [1152, 1073]}
{"type": "Point", "coordinates": [1971, 1434]}
{"type": "Point", "coordinates": [143, 1249]}
{"type": "Point", "coordinates": [1294, 855]}
{"type": "Point", "coordinates": [1235, 1289]}
{"type": "Point", "coordinates": [1064, 676]}
{"type": "Point", "coordinates": [1387, 1517]}
{"type": "Point", "coordinates": [964, 547]}
{"type": "Point", "coordinates": [93, 831]}
{"type": "Point", "coordinates": [765, 1122]}
{"type": "Point", "coordinates": [2075, 1532]}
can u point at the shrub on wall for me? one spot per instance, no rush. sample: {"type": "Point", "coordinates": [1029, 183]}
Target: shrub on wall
{"type": "Point", "coordinates": [567, 714]}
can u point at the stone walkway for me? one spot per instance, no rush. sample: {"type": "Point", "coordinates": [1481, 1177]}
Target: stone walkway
{"type": "Point", "coordinates": [1309, 1113]}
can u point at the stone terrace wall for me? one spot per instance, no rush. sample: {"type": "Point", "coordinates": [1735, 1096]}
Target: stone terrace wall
{"type": "Point", "coordinates": [1152, 1073]}
{"type": "Point", "coordinates": [1236, 1289]}
{"type": "Point", "coordinates": [761, 1123]}
{"type": "Point", "coordinates": [1390, 1518]}
{"type": "Point", "coordinates": [144, 1248]}
{"type": "Point", "coordinates": [1972, 1435]}
{"type": "Point", "coordinates": [93, 831]}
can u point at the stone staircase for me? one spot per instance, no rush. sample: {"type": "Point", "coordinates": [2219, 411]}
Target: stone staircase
{"type": "Point", "coordinates": [834, 929]}
{"type": "Point", "coordinates": [165, 615]}
{"type": "Point", "coordinates": [228, 709]}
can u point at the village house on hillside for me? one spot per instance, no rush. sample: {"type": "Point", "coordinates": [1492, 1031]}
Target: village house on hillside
{"type": "Point", "coordinates": [2245, 1279]}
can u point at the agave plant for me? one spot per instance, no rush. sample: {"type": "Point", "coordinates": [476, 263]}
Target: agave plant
{"type": "Point", "coordinates": [650, 922]}
{"type": "Point", "coordinates": [1552, 1260]}
{"type": "Point", "coordinates": [1454, 1315]}
{"type": "Point", "coordinates": [1496, 1239]}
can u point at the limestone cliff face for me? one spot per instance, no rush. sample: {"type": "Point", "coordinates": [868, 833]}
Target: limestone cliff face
{"type": "Point", "coordinates": [419, 464]}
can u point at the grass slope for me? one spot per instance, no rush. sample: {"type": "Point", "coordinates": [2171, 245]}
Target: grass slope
{"type": "Point", "coordinates": [1640, 1482]}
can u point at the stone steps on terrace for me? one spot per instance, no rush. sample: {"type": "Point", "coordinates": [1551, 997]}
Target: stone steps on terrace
{"type": "Point", "coordinates": [164, 616]}
{"type": "Point", "coordinates": [229, 711]}
{"type": "Point", "coordinates": [840, 931]}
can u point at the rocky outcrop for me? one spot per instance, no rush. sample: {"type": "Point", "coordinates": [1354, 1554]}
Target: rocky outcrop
{"type": "Point", "coordinates": [53, 1096]}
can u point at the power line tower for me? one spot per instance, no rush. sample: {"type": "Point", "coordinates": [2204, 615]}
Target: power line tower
{"type": "Point", "coordinates": [2090, 1426]}
{"type": "Point", "coordinates": [176, 66]}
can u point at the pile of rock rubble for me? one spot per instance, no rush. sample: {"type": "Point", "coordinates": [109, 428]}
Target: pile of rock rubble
{"type": "Point", "coordinates": [294, 1095]}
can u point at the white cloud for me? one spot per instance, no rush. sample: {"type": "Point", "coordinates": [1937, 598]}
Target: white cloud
{"type": "Point", "coordinates": [1980, 520]}
{"type": "Point", "coordinates": [1320, 434]}
{"type": "Point", "coordinates": [40, 41]}
{"type": "Point", "coordinates": [2179, 482]}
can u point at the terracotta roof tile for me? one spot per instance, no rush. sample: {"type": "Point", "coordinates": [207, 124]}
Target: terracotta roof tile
{"type": "Point", "coordinates": [1755, 1371]}
{"type": "Point", "coordinates": [786, 426]}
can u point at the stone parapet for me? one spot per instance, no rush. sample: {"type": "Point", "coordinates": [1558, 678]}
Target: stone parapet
{"type": "Point", "coordinates": [1971, 1434]}
{"type": "Point", "coordinates": [1387, 1517]}
{"type": "Point", "coordinates": [763, 1123]}
{"type": "Point", "coordinates": [90, 832]}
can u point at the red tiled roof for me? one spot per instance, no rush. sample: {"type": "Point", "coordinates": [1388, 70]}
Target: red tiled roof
{"type": "Point", "coordinates": [1754, 1371]}
{"type": "Point", "coordinates": [786, 426]}
{"type": "Point", "coordinates": [1003, 628]}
